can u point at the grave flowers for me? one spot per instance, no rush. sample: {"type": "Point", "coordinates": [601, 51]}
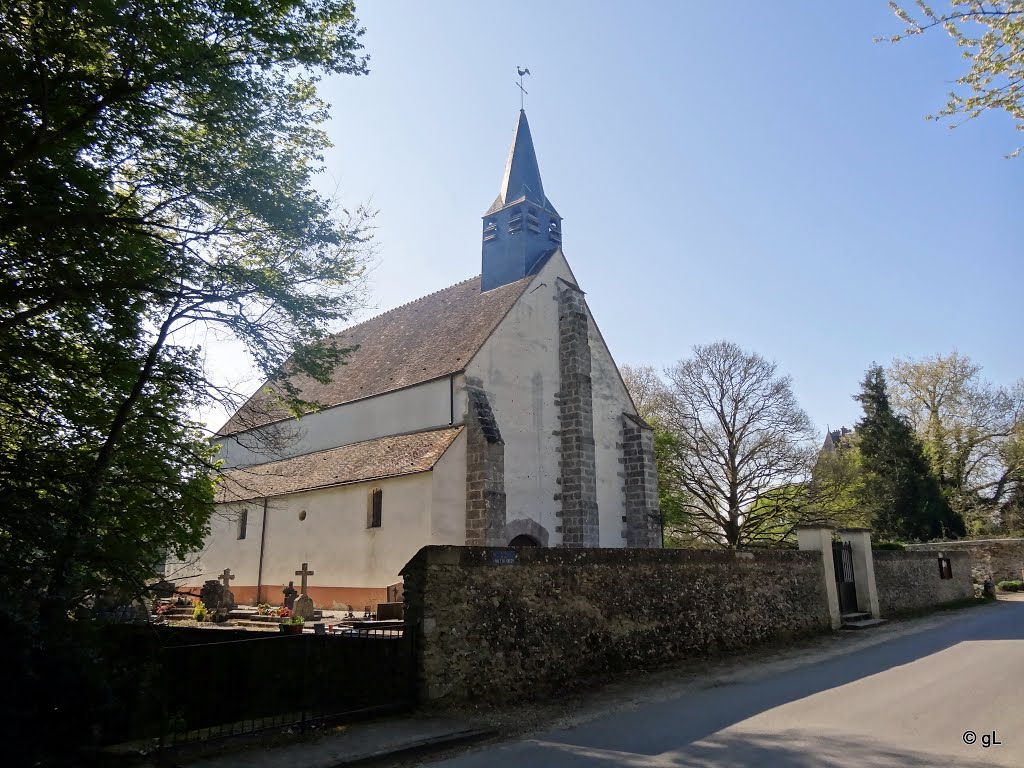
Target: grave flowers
{"type": "Point", "coordinates": [291, 624]}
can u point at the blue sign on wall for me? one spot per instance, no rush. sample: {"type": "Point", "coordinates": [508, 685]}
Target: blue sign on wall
{"type": "Point", "coordinates": [504, 557]}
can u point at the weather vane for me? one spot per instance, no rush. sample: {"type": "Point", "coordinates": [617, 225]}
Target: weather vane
{"type": "Point", "coordinates": [522, 71]}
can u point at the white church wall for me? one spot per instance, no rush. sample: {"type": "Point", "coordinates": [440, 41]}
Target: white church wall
{"type": "Point", "coordinates": [405, 410]}
{"type": "Point", "coordinates": [610, 400]}
{"type": "Point", "coordinates": [352, 564]}
{"type": "Point", "coordinates": [518, 366]}
{"type": "Point", "coordinates": [224, 549]}
{"type": "Point", "coordinates": [334, 539]}
{"type": "Point", "coordinates": [448, 507]}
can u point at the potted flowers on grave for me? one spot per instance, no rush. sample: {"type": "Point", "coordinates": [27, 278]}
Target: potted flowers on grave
{"type": "Point", "coordinates": [199, 611]}
{"type": "Point", "coordinates": [291, 624]}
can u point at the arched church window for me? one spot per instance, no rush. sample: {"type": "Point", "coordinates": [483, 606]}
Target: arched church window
{"type": "Point", "coordinates": [243, 519]}
{"type": "Point", "coordinates": [374, 508]}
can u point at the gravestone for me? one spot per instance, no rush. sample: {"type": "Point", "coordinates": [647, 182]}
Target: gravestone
{"type": "Point", "coordinates": [289, 596]}
{"type": "Point", "coordinates": [227, 598]}
{"type": "Point", "coordinates": [163, 589]}
{"type": "Point", "coordinates": [390, 611]}
{"type": "Point", "coordinates": [304, 603]}
{"type": "Point", "coordinates": [211, 594]}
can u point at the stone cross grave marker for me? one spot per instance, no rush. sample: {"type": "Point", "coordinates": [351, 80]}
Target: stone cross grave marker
{"type": "Point", "coordinates": [304, 603]}
{"type": "Point", "coordinates": [304, 573]}
{"type": "Point", "coordinates": [226, 577]}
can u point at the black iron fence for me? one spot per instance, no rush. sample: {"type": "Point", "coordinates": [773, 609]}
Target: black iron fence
{"type": "Point", "coordinates": [205, 690]}
{"type": "Point", "coordinates": [222, 689]}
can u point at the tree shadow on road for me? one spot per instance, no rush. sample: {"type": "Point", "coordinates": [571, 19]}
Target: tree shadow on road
{"type": "Point", "coordinates": [789, 749]}
{"type": "Point", "coordinates": [712, 710]}
{"type": "Point", "coordinates": [688, 729]}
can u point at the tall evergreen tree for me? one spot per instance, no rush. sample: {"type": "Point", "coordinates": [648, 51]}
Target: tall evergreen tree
{"type": "Point", "coordinates": [899, 490]}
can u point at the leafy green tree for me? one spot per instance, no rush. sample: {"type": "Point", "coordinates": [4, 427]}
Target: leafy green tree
{"type": "Point", "coordinates": [899, 491]}
{"type": "Point", "coordinates": [971, 430]}
{"type": "Point", "coordinates": [156, 165]}
{"type": "Point", "coordinates": [990, 37]}
{"type": "Point", "coordinates": [650, 397]}
{"type": "Point", "coordinates": [837, 482]}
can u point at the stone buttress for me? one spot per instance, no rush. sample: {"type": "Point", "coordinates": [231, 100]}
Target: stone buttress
{"type": "Point", "coordinates": [578, 494]}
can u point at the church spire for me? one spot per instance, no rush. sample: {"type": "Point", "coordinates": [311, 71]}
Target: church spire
{"type": "Point", "coordinates": [521, 227]}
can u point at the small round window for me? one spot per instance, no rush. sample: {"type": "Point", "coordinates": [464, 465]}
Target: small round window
{"type": "Point", "coordinates": [302, 515]}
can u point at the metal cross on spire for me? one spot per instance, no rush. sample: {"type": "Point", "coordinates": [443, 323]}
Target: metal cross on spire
{"type": "Point", "coordinates": [522, 71]}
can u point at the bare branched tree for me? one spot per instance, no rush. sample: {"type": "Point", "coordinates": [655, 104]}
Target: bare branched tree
{"type": "Point", "coordinates": [650, 396]}
{"type": "Point", "coordinates": [744, 449]}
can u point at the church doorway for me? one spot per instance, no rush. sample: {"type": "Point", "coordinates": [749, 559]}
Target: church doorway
{"type": "Point", "coordinates": [522, 540]}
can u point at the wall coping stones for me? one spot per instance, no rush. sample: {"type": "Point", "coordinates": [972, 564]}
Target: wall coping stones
{"type": "Point", "coordinates": [894, 554]}
{"type": "Point", "coordinates": [481, 557]}
{"type": "Point", "coordinates": [963, 542]}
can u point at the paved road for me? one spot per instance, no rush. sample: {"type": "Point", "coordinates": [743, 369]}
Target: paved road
{"type": "Point", "coordinates": [905, 702]}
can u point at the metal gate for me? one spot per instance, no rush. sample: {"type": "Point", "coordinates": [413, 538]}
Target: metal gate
{"type": "Point", "coordinates": [842, 559]}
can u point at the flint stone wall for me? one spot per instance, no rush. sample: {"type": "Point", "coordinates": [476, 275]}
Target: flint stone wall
{"type": "Point", "coordinates": [551, 618]}
{"type": "Point", "coordinates": [996, 559]}
{"type": "Point", "coordinates": [909, 581]}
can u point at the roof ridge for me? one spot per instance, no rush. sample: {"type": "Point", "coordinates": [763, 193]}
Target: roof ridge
{"type": "Point", "coordinates": [406, 304]}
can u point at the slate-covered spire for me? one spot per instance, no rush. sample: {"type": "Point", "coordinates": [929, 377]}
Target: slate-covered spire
{"type": "Point", "coordinates": [521, 227]}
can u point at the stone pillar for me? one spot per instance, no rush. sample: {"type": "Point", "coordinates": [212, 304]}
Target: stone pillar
{"type": "Point", "coordinates": [485, 472]}
{"type": "Point", "coordinates": [818, 538]}
{"type": "Point", "coordinates": [642, 522]}
{"type": "Point", "coordinates": [863, 568]}
{"type": "Point", "coordinates": [575, 400]}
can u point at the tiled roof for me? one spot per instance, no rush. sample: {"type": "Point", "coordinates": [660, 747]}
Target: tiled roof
{"type": "Point", "coordinates": [416, 342]}
{"type": "Point", "coordinates": [370, 460]}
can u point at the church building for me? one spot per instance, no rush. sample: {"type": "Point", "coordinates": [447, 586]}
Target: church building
{"type": "Point", "coordinates": [486, 413]}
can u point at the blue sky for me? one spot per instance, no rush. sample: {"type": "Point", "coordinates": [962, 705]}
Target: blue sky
{"type": "Point", "coordinates": [758, 172]}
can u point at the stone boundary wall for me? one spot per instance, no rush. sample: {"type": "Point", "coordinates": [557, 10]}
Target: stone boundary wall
{"type": "Point", "coordinates": [996, 559]}
{"type": "Point", "coordinates": [908, 582]}
{"type": "Point", "coordinates": [512, 624]}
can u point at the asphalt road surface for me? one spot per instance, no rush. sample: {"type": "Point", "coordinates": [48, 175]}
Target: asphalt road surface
{"type": "Point", "coordinates": [914, 700]}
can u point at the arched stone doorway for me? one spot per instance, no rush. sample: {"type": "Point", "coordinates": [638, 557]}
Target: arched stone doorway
{"type": "Point", "coordinates": [523, 540]}
{"type": "Point", "coordinates": [522, 533]}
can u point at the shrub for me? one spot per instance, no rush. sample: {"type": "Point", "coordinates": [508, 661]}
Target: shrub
{"type": "Point", "coordinates": [199, 612]}
{"type": "Point", "coordinates": [1010, 586]}
{"type": "Point", "coordinates": [888, 545]}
